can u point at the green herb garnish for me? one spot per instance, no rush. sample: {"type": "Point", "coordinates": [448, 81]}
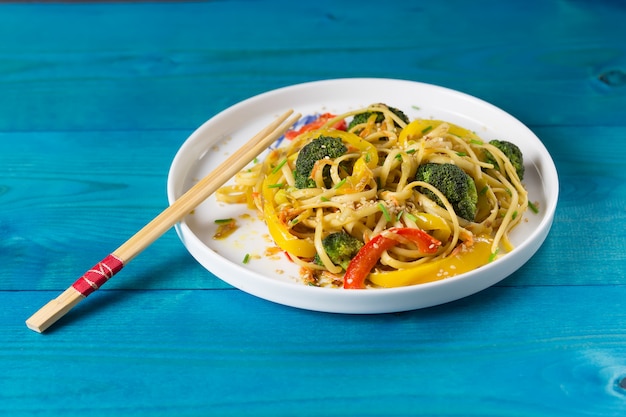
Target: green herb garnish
{"type": "Point", "coordinates": [410, 216]}
{"type": "Point", "coordinates": [340, 184]}
{"type": "Point", "coordinates": [385, 211]}
{"type": "Point", "coordinates": [279, 166]}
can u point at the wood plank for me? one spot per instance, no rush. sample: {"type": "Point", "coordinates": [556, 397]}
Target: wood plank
{"type": "Point", "coordinates": [101, 61]}
{"type": "Point", "coordinates": [585, 244]}
{"type": "Point", "coordinates": [95, 189]}
{"type": "Point", "coordinates": [505, 351]}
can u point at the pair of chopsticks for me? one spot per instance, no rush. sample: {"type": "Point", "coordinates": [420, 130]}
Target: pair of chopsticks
{"type": "Point", "coordinates": [113, 263]}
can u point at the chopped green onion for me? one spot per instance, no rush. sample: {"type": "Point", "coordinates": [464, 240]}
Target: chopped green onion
{"type": "Point", "coordinates": [324, 199]}
{"type": "Point", "coordinates": [255, 160]}
{"type": "Point", "coordinates": [399, 157]}
{"type": "Point", "coordinates": [278, 185]}
{"type": "Point", "coordinates": [427, 129]}
{"type": "Point", "coordinates": [294, 221]}
{"type": "Point", "coordinates": [461, 154]}
{"type": "Point", "coordinates": [533, 207]}
{"type": "Point", "coordinates": [514, 215]}
{"type": "Point", "coordinates": [368, 158]}
{"type": "Point", "coordinates": [410, 151]}
{"type": "Point", "coordinates": [224, 221]}
{"type": "Point", "coordinates": [476, 142]}
{"type": "Point", "coordinates": [340, 183]}
{"type": "Point", "coordinates": [410, 216]}
{"type": "Point", "coordinates": [246, 258]}
{"type": "Point", "coordinates": [399, 216]}
{"type": "Point", "coordinates": [493, 255]}
{"type": "Point", "coordinates": [385, 211]}
{"type": "Point", "coordinates": [484, 190]}
{"type": "Point", "coordinates": [279, 166]}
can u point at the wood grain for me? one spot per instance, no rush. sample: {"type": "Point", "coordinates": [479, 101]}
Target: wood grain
{"type": "Point", "coordinates": [491, 354]}
{"type": "Point", "coordinates": [95, 99]}
{"type": "Point", "coordinates": [114, 57]}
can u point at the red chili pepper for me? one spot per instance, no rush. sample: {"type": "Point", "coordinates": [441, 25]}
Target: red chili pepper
{"type": "Point", "coordinates": [361, 265]}
{"type": "Point", "coordinates": [316, 124]}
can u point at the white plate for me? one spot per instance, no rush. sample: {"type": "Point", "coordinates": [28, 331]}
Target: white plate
{"type": "Point", "coordinates": [276, 279]}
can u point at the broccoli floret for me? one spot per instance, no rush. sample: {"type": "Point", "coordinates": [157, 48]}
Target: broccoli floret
{"type": "Point", "coordinates": [458, 187]}
{"type": "Point", "coordinates": [512, 152]}
{"type": "Point", "coordinates": [319, 148]}
{"type": "Point", "coordinates": [340, 247]}
{"type": "Point", "coordinates": [364, 117]}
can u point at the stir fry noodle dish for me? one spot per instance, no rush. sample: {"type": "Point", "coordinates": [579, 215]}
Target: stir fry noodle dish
{"type": "Point", "coordinates": [371, 199]}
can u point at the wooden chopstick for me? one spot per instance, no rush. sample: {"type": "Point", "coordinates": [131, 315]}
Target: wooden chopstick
{"type": "Point", "coordinates": [109, 266]}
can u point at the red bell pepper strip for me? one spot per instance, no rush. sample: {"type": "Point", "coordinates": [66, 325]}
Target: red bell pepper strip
{"type": "Point", "coordinates": [316, 124]}
{"type": "Point", "coordinates": [361, 265]}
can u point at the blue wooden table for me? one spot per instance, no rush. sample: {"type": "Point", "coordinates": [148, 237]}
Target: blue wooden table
{"type": "Point", "coordinates": [95, 100]}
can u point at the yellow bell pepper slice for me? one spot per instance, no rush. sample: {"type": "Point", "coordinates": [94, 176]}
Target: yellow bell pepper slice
{"type": "Point", "coordinates": [360, 178]}
{"type": "Point", "coordinates": [435, 225]}
{"type": "Point", "coordinates": [303, 248]}
{"type": "Point", "coordinates": [466, 260]}
{"type": "Point", "coordinates": [420, 127]}
{"type": "Point", "coordinates": [278, 230]}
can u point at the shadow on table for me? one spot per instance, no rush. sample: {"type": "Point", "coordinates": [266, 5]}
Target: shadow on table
{"type": "Point", "coordinates": [106, 298]}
